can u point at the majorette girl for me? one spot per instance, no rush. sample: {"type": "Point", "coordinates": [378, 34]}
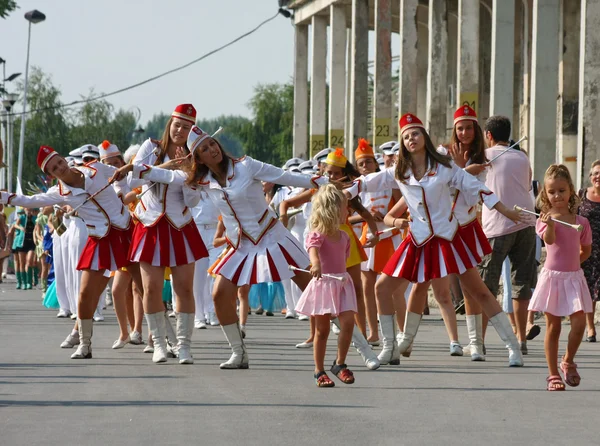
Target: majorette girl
{"type": "Point", "coordinates": [262, 247]}
{"type": "Point", "coordinates": [108, 223]}
{"type": "Point", "coordinates": [434, 247]}
{"type": "Point", "coordinates": [167, 235]}
{"type": "Point", "coordinates": [378, 203]}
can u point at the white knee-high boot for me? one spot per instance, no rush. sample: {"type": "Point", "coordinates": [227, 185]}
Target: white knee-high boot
{"type": "Point", "coordinates": [185, 328]}
{"type": "Point", "coordinates": [475, 329]}
{"type": "Point", "coordinates": [390, 354]}
{"type": "Point", "coordinates": [84, 351]}
{"type": "Point", "coordinates": [156, 325]}
{"type": "Point", "coordinates": [502, 325]}
{"type": "Point", "coordinates": [239, 355]}
{"type": "Point", "coordinates": [411, 327]}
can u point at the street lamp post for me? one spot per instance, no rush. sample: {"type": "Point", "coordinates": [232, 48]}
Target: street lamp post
{"type": "Point", "coordinates": [4, 137]}
{"type": "Point", "coordinates": [32, 17]}
{"type": "Point", "coordinates": [8, 102]}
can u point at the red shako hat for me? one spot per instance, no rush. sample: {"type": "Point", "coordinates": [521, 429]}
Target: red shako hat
{"type": "Point", "coordinates": [464, 113]}
{"type": "Point", "coordinates": [408, 121]}
{"type": "Point", "coordinates": [44, 155]}
{"type": "Point", "coordinates": [186, 112]}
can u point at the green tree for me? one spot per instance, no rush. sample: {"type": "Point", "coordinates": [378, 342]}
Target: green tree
{"type": "Point", "coordinates": [46, 127]}
{"type": "Point", "coordinates": [6, 7]}
{"type": "Point", "coordinates": [97, 121]}
{"type": "Point", "coordinates": [268, 137]}
{"type": "Point", "coordinates": [230, 135]}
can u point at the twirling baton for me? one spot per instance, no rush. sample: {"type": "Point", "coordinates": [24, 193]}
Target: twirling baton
{"type": "Point", "coordinates": [91, 197]}
{"type": "Point", "coordinates": [293, 268]}
{"type": "Point", "coordinates": [507, 149]}
{"type": "Point", "coordinates": [577, 227]}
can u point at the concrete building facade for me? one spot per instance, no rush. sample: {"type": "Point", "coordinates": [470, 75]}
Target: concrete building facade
{"type": "Point", "coordinates": [534, 61]}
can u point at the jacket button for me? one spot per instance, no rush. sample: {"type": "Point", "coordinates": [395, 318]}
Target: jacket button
{"type": "Point", "coordinates": [420, 203]}
{"type": "Point", "coordinates": [423, 219]}
{"type": "Point", "coordinates": [98, 210]}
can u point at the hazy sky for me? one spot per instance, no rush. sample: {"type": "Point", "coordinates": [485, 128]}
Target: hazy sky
{"type": "Point", "coordinates": [110, 44]}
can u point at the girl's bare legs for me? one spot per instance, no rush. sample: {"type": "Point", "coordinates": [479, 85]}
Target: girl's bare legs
{"type": "Point", "coordinates": [138, 307]}
{"type": "Point", "coordinates": [120, 288]}
{"type": "Point", "coordinates": [322, 326]}
{"type": "Point", "coordinates": [368, 280]}
{"type": "Point", "coordinates": [441, 292]}
{"type": "Point", "coordinates": [400, 307]}
{"type": "Point", "coordinates": [153, 281]}
{"type": "Point", "coordinates": [302, 279]}
{"type": "Point", "coordinates": [183, 286]}
{"type": "Point", "coordinates": [591, 328]}
{"type": "Point", "coordinates": [345, 337]}
{"type": "Point", "coordinates": [384, 288]}
{"type": "Point", "coordinates": [360, 316]}
{"type": "Point", "coordinates": [578, 322]}
{"type": "Point", "coordinates": [129, 305]}
{"type": "Point", "coordinates": [553, 327]}
{"type": "Point", "coordinates": [243, 298]}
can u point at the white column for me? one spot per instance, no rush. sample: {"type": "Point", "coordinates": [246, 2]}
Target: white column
{"type": "Point", "coordinates": [568, 83]}
{"type": "Point", "coordinates": [318, 84]}
{"type": "Point", "coordinates": [588, 142]}
{"type": "Point", "coordinates": [337, 75]}
{"type": "Point", "coordinates": [300, 91]}
{"type": "Point", "coordinates": [359, 83]}
{"type": "Point", "coordinates": [408, 73]}
{"type": "Point", "coordinates": [382, 97]}
{"type": "Point", "coordinates": [437, 88]}
{"type": "Point", "coordinates": [544, 86]}
{"type": "Point", "coordinates": [467, 74]}
{"type": "Point", "coordinates": [503, 41]}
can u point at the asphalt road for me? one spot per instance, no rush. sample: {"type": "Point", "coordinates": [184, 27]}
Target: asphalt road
{"type": "Point", "coordinates": [121, 397]}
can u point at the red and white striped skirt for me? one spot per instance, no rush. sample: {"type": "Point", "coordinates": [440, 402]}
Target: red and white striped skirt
{"type": "Point", "coordinates": [164, 245]}
{"type": "Point", "coordinates": [473, 235]}
{"type": "Point", "coordinates": [435, 259]}
{"type": "Point", "coordinates": [267, 261]}
{"type": "Point", "coordinates": [108, 252]}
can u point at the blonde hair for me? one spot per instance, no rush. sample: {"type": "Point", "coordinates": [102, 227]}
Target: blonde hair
{"type": "Point", "coordinates": [594, 164]}
{"type": "Point", "coordinates": [553, 172]}
{"type": "Point", "coordinates": [325, 217]}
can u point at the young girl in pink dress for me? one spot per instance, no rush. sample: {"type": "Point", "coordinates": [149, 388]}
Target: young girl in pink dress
{"type": "Point", "coordinates": [326, 297]}
{"type": "Point", "coordinates": [561, 289]}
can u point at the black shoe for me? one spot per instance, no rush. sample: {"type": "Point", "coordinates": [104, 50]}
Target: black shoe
{"type": "Point", "coordinates": [259, 311]}
{"type": "Point", "coordinates": [460, 308]}
{"type": "Point", "coordinates": [533, 332]}
{"type": "Point", "coordinates": [269, 313]}
{"type": "Point", "coordinates": [591, 338]}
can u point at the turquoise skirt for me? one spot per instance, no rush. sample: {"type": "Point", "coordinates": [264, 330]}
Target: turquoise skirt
{"type": "Point", "coordinates": [270, 296]}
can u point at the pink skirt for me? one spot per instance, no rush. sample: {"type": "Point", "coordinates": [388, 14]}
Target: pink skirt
{"type": "Point", "coordinates": [266, 260]}
{"type": "Point", "coordinates": [164, 245]}
{"type": "Point", "coordinates": [108, 252]}
{"type": "Point", "coordinates": [435, 259]}
{"type": "Point", "coordinates": [328, 296]}
{"type": "Point", "coordinates": [473, 235]}
{"type": "Point", "coordinates": [561, 293]}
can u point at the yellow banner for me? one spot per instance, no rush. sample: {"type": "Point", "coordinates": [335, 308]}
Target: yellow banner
{"type": "Point", "coordinates": [382, 131]}
{"type": "Point", "coordinates": [336, 138]}
{"type": "Point", "coordinates": [471, 99]}
{"type": "Point", "coordinates": [317, 143]}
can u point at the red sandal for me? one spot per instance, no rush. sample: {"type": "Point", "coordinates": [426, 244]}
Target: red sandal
{"type": "Point", "coordinates": [570, 373]}
{"type": "Point", "coordinates": [343, 373]}
{"type": "Point", "coordinates": [555, 383]}
{"type": "Point", "coordinates": [323, 380]}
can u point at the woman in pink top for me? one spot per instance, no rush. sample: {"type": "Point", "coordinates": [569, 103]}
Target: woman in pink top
{"type": "Point", "coordinates": [562, 289]}
{"type": "Point", "coordinates": [326, 296]}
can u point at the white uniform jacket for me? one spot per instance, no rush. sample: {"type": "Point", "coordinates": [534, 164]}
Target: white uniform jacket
{"type": "Point", "coordinates": [428, 199]}
{"type": "Point", "coordinates": [168, 197]}
{"type": "Point", "coordinates": [464, 212]}
{"type": "Point", "coordinates": [99, 214]}
{"type": "Point", "coordinates": [242, 202]}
